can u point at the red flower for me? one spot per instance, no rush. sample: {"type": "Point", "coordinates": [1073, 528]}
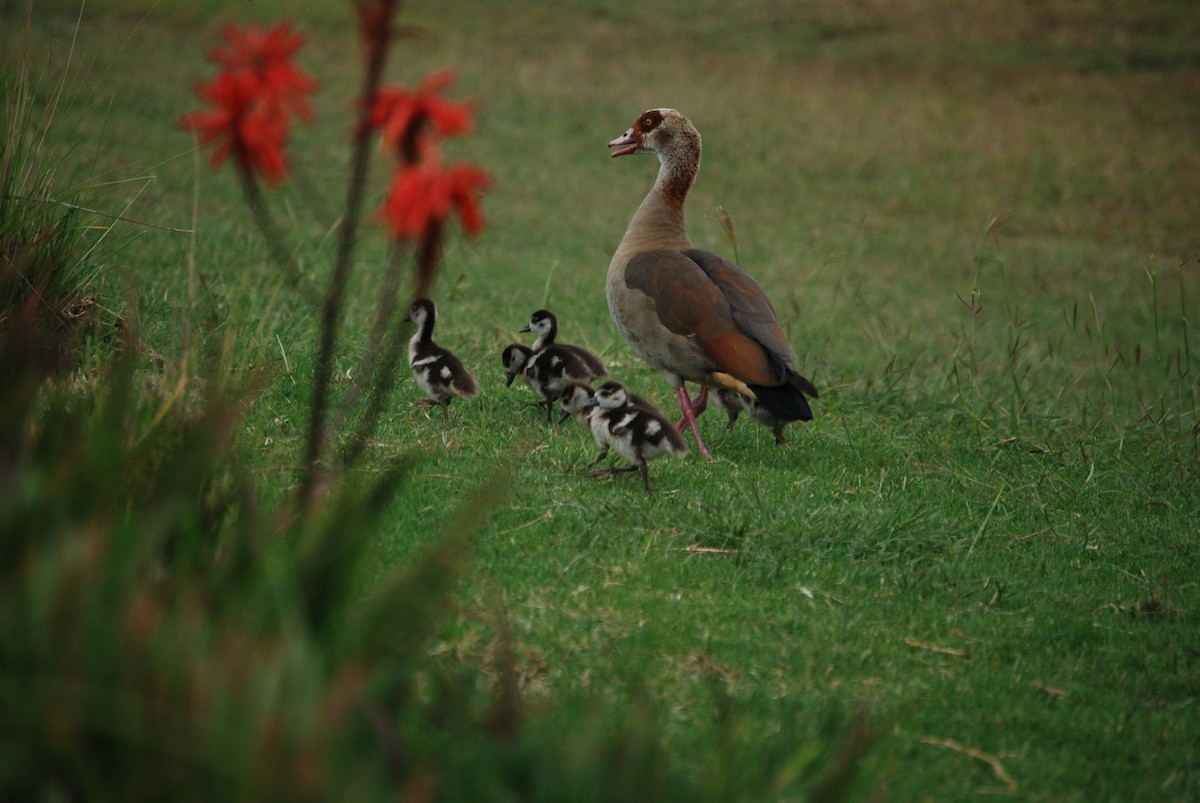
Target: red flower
{"type": "Point", "coordinates": [423, 196]}
{"type": "Point", "coordinates": [253, 99]}
{"type": "Point", "coordinates": [239, 127]}
{"type": "Point", "coordinates": [401, 115]}
{"type": "Point", "coordinates": [268, 56]}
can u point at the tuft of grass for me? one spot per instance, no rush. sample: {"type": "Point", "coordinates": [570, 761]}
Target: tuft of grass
{"type": "Point", "coordinates": [49, 276]}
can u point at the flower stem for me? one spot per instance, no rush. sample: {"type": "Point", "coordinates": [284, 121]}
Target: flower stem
{"type": "Point", "coordinates": [331, 309]}
{"type": "Point", "coordinates": [266, 224]}
{"type": "Point", "coordinates": [383, 381]}
{"type": "Point", "coordinates": [428, 254]}
{"type": "Point", "coordinates": [316, 203]}
{"type": "Point", "coordinates": [373, 372]}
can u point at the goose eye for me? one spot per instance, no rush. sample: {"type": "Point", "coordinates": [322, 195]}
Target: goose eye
{"type": "Point", "coordinates": [647, 123]}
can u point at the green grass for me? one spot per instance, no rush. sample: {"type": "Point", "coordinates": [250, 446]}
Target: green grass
{"type": "Point", "coordinates": [979, 230]}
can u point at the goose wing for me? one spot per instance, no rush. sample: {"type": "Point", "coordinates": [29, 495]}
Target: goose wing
{"type": "Point", "coordinates": [700, 296]}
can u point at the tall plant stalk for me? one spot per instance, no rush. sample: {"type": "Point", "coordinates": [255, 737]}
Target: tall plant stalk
{"type": "Point", "coordinates": [378, 47]}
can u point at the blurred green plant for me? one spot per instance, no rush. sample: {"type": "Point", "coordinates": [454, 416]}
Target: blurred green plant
{"type": "Point", "coordinates": [167, 633]}
{"type": "Point", "coordinates": [49, 278]}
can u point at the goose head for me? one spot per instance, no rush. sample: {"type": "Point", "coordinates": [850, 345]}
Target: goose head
{"type": "Point", "coordinates": [424, 314]}
{"type": "Point", "coordinates": [542, 323]}
{"type": "Point", "coordinates": [660, 132]}
{"type": "Point", "coordinates": [577, 398]}
{"type": "Point", "coordinates": [515, 357]}
{"type": "Point", "coordinates": [612, 395]}
{"type": "Point", "coordinates": [671, 137]}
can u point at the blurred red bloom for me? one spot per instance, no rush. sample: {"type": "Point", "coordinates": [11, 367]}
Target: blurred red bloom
{"type": "Point", "coordinates": [253, 99]}
{"type": "Point", "coordinates": [267, 54]}
{"type": "Point", "coordinates": [401, 114]}
{"type": "Point", "coordinates": [423, 196]}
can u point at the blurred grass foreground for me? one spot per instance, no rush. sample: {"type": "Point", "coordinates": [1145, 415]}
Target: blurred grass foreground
{"type": "Point", "coordinates": [237, 562]}
{"type": "Point", "coordinates": [170, 629]}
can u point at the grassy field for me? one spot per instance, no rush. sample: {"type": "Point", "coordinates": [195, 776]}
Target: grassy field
{"type": "Point", "coordinates": [978, 224]}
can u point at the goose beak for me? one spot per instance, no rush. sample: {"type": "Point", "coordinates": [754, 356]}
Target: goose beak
{"type": "Point", "coordinates": [525, 328]}
{"type": "Point", "coordinates": [508, 382]}
{"type": "Point", "coordinates": [563, 416]}
{"type": "Point", "coordinates": [626, 142]}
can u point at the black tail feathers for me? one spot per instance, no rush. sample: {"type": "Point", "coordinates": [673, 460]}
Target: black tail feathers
{"type": "Point", "coordinates": [786, 402]}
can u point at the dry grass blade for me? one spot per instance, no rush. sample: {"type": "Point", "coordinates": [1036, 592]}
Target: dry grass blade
{"type": "Point", "coordinates": [711, 550]}
{"type": "Point", "coordinates": [977, 754]}
{"type": "Point", "coordinates": [924, 645]}
{"type": "Point", "coordinates": [1052, 692]}
{"type": "Point", "coordinates": [726, 222]}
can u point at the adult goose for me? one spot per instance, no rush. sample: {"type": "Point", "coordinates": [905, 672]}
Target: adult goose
{"type": "Point", "coordinates": [437, 370]}
{"type": "Point", "coordinates": [691, 314]}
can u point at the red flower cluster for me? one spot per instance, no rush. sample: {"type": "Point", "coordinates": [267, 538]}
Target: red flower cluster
{"type": "Point", "coordinates": [402, 116]}
{"type": "Point", "coordinates": [259, 90]}
{"type": "Point", "coordinates": [423, 193]}
{"type": "Point", "coordinates": [422, 196]}
{"type": "Point", "coordinates": [253, 99]}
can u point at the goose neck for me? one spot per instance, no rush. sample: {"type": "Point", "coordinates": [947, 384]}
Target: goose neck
{"type": "Point", "coordinates": [424, 332]}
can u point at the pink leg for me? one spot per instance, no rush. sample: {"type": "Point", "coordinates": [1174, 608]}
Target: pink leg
{"type": "Point", "coordinates": [699, 405]}
{"type": "Point", "coordinates": [689, 416]}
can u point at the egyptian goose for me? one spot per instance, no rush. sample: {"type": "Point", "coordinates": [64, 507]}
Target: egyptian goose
{"type": "Point", "coordinates": [691, 314]}
{"type": "Point", "coordinates": [631, 399]}
{"type": "Point", "coordinates": [439, 373]}
{"type": "Point", "coordinates": [545, 372]}
{"type": "Point", "coordinates": [550, 368]}
{"type": "Point", "coordinates": [516, 357]}
{"type": "Point", "coordinates": [638, 434]}
{"type": "Point", "coordinates": [579, 400]}
{"type": "Point", "coordinates": [544, 324]}
{"type": "Point", "coordinates": [734, 404]}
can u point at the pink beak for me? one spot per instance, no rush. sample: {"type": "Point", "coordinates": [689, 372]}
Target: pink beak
{"type": "Point", "coordinates": [626, 142]}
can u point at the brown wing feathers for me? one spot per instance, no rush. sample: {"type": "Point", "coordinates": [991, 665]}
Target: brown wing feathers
{"type": "Point", "coordinates": [750, 308]}
{"type": "Point", "coordinates": [736, 354]}
{"type": "Point", "coordinates": [697, 293]}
